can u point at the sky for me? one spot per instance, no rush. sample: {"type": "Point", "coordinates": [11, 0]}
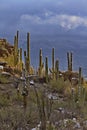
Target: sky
{"type": "Point", "coordinates": [34, 15]}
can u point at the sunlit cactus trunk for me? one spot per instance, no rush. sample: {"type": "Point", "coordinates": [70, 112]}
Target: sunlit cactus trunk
{"type": "Point", "coordinates": [46, 69]}
{"type": "Point", "coordinates": [69, 59]}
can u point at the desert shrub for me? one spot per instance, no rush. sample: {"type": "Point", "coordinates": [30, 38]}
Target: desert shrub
{"type": "Point", "coordinates": [57, 85]}
{"type": "Point", "coordinates": [4, 101]}
{"type": "Point", "coordinates": [61, 86]}
{"type": "Point", "coordinates": [17, 71]}
{"type": "Point", "coordinates": [3, 79]}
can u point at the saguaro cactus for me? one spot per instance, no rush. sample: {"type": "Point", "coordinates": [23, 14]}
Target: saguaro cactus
{"type": "Point", "coordinates": [69, 59]}
{"type": "Point", "coordinates": [28, 52]}
{"type": "Point", "coordinates": [57, 69]}
{"type": "Point", "coordinates": [46, 69]}
{"type": "Point", "coordinates": [20, 54]}
{"type": "Point", "coordinates": [41, 65]}
{"type": "Point", "coordinates": [15, 51]}
{"type": "Point", "coordinates": [40, 58]}
{"type": "Point", "coordinates": [17, 37]}
{"type": "Point", "coordinates": [25, 62]}
{"type": "Point", "coordinates": [16, 48]}
{"type": "Point", "coordinates": [53, 64]}
{"type": "Point", "coordinates": [80, 84]}
{"type": "Point", "coordinates": [55, 73]}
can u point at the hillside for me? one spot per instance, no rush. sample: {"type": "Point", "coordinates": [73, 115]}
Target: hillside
{"type": "Point", "coordinates": [56, 101]}
{"type": "Point", "coordinates": [5, 48]}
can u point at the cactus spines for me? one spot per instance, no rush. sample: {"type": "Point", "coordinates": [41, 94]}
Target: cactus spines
{"type": "Point", "coordinates": [69, 59]}
{"type": "Point", "coordinates": [46, 69]}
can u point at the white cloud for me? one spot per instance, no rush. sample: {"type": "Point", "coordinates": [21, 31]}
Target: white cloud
{"type": "Point", "coordinates": [66, 21]}
{"type": "Point", "coordinates": [30, 18]}
{"type": "Point", "coordinates": [48, 13]}
{"type": "Point", "coordinates": [70, 21]}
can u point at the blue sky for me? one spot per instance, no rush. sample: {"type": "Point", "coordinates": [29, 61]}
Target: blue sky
{"type": "Point", "coordinates": [26, 15]}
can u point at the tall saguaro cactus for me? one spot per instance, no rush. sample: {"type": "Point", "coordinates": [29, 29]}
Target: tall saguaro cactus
{"type": "Point", "coordinates": [28, 52]}
{"type": "Point", "coordinates": [16, 48]}
{"type": "Point", "coordinates": [46, 69]}
{"type": "Point", "coordinates": [80, 84]}
{"type": "Point", "coordinates": [69, 59]}
{"type": "Point", "coordinates": [53, 64]}
{"type": "Point", "coordinates": [40, 58]}
{"type": "Point", "coordinates": [28, 46]}
{"type": "Point", "coordinates": [15, 51]}
{"type": "Point", "coordinates": [57, 69]}
{"type": "Point", "coordinates": [17, 37]}
{"type": "Point", "coordinates": [40, 63]}
{"type": "Point", "coordinates": [21, 54]}
{"type": "Point", "coordinates": [25, 62]}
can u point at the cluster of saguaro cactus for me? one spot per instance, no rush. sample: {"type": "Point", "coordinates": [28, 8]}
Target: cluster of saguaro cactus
{"type": "Point", "coordinates": [55, 66]}
{"type": "Point", "coordinates": [41, 64]}
{"type": "Point", "coordinates": [69, 59]}
{"type": "Point", "coordinates": [17, 53]}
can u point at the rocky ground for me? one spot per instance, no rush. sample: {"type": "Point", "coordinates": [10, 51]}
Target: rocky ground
{"type": "Point", "coordinates": [60, 111]}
